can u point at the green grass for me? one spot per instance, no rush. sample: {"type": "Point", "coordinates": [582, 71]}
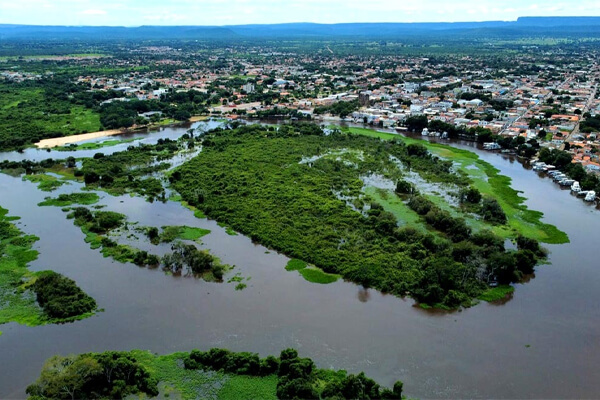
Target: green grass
{"type": "Point", "coordinates": [180, 383]}
{"type": "Point", "coordinates": [487, 179]}
{"type": "Point", "coordinates": [191, 233]}
{"type": "Point", "coordinates": [170, 233]}
{"type": "Point", "coordinates": [295, 265]}
{"type": "Point", "coordinates": [121, 253]}
{"type": "Point", "coordinates": [95, 145]}
{"type": "Point", "coordinates": [79, 120]}
{"type": "Point", "coordinates": [392, 203]}
{"type": "Point", "coordinates": [311, 273]}
{"type": "Point", "coordinates": [177, 381]}
{"type": "Point", "coordinates": [497, 293]}
{"type": "Point", "coordinates": [240, 387]}
{"type": "Point", "coordinates": [228, 230]}
{"type": "Point", "coordinates": [46, 183]}
{"type": "Point", "coordinates": [166, 121]}
{"type": "Point", "coordinates": [316, 275]}
{"type": "Point", "coordinates": [70, 199]}
{"type": "Point", "coordinates": [197, 213]}
{"type": "Point", "coordinates": [373, 133]}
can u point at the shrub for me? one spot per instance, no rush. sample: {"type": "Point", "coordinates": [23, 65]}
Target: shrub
{"type": "Point", "coordinates": [404, 187]}
{"type": "Point", "coordinates": [491, 211]}
{"type": "Point", "coordinates": [469, 195]}
{"type": "Point", "coordinates": [60, 297]}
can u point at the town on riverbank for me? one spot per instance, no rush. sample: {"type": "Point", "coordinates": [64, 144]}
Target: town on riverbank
{"type": "Point", "coordinates": [541, 97]}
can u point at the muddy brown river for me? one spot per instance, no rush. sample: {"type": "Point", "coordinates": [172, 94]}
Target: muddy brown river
{"type": "Point", "coordinates": [543, 343]}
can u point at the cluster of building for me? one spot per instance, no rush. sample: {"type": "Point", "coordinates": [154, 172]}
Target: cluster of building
{"type": "Point", "coordinates": [543, 97]}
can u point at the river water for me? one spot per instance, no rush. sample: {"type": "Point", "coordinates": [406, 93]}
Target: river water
{"type": "Point", "coordinates": [543, 343]}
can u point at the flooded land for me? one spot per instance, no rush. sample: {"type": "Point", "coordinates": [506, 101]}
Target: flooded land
{"type": "Point", "coordinates": [542, 342]}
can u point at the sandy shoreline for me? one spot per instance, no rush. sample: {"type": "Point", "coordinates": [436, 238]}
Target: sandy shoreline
{"type": "Point", "coordinates": [198, 118]}
{"type": "Point", "coordinates": [61, 141]}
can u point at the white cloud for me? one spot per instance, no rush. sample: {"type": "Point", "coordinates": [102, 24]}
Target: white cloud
{"type": "Point", "coordinates": [224, 12]}
{"type": "Point", "coordinates": [93, 12]}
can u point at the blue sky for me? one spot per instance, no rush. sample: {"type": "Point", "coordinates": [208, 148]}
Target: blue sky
{"type": "Point", "coordinates": [234, 12]}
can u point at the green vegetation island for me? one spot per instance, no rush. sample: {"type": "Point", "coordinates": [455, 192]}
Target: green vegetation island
{"type": "Point", "coordinates": [217, 374]}
{"type": "Point", "coordinates": [34, 298]}
{"type": "Point", "coordinates": [388, 214]}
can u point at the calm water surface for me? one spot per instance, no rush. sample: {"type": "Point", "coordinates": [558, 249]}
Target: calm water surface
{"type": "Point", "coordinates": [543, 343]}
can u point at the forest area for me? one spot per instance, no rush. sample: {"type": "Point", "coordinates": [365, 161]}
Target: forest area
{"type": "Point", "coordinates": [300, 191]}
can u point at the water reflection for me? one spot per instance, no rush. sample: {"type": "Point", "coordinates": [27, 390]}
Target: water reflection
{"type": "Point", "coordinates": [364, 294]}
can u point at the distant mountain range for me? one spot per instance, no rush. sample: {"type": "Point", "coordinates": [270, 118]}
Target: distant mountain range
{"type": "Point", "coordinates": [548, 26]}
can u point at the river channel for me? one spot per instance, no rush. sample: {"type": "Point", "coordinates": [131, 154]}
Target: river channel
{"type": "Point", "coordinates": [543, 343]}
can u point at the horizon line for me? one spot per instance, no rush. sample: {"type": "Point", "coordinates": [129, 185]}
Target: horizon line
{"type": "Point", "coordinates": [304, 22]}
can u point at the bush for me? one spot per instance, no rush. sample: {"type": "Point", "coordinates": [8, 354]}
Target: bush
{"type": "Point", "coordinates": [469, 195]}
{"type": "Point", "coordinates": [106, 220]}
{"type": "Point", "coordinates": [491, 211]}
{"type": "Point", "coordinates": [60, 297]}
{"type": "Point", "coordinates": [420, 204]}
{"type": "Point", "coordinates": [404, 187]}
{"type": "Point", "coordinates": [197, 261]}
{"type": "Point", "coordinates": [417, 150]}
{"type": "Point", "coordinates": [526, 261]}
{"type": "Point", "coordinates": [112, 375]}
{"type": "Point", "coordinates": [525, 243]}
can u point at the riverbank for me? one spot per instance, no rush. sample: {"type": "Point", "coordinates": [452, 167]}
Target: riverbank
{"type": "Point", "coordinates": [62, 141]}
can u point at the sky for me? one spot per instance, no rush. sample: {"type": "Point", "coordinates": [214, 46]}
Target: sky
{"type": "Point", "coordinates": [237, 12]}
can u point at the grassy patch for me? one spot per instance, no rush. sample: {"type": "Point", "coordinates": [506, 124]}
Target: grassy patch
{"type": "Point", "coordinates": [197, 212]}
{"type": "Point", "coordinates": [315, 275]}
{"type": "Point", "coordinates": [95, 145]}
{"type": "Point", "coordinates": [497, 293]}
{"type": "Point", "coordinates": [310, 273]}
{"type": "Point", "coordinates": [241, 387]}
{"type": "Point", "coordinates": [295, 265]}
{"type": "Point", "coordinates": [373, 133]}
{"type": "Point", "coordinates": [97, 225]}
{"type": "Point", "coordinates": [392, 203]}
{"type": "Point", "coordinates": [191, 233]}
{"type": "Point", "coordinates": [170, 233]}
{"type": "Point", "coordinates": [178, 382]}
{"type": "Point", "coordinates": [46, 183]}
{"type": "Point", "coordinates": [228, 230]}
{"type": "Point", "coordinates": [70, 199]}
